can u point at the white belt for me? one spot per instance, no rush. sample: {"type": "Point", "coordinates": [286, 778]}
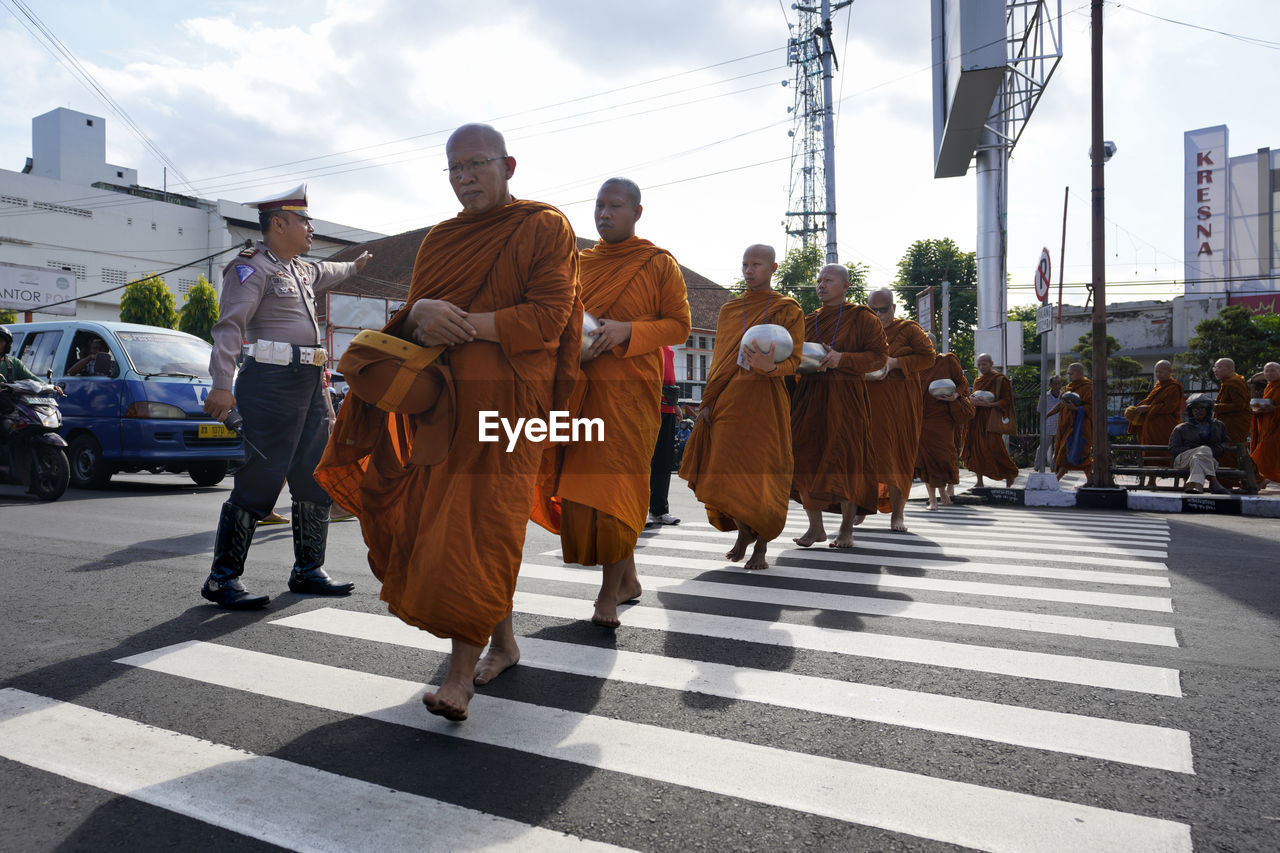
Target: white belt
{"type": "Point", "coordinates": [278, 352]}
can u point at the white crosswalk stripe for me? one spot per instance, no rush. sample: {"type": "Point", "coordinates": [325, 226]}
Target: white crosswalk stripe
{"type": "Point", "coordinates": [1059, 599]}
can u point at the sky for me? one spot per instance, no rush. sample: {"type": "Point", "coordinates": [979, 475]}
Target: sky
{"type": "Point", "coordinates": [246, 98]}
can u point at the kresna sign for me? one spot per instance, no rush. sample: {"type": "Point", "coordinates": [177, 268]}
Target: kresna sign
{"type": "Point", "coordinates": [35, 289]}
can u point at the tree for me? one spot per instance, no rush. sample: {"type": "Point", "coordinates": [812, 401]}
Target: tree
{"type": "Point", "coordinates": [1236, 333]}
{"type": "Point", "coordinates": [149, 302]}
{"type": "Point", "coordinates": [1118, 366]}
{"type": "Point", "coordinates": [927, 263]}
{"type": "Point", "coordinates": [798, 272]}
{"type": "Point", "coordinates": [200, 313]}
{"type": "Point", "coordinates": [8, 317]}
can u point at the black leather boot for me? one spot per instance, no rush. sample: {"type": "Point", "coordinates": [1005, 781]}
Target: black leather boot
{"type": "Point", "coordinates": [310, 533]}
{"type": "Point", "coordinates": [230, 547]}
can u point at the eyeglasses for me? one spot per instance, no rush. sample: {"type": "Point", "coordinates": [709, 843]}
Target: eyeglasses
{"type": "Point", "coordinates": [457, 170]}
{"type": "Point", "coordinates": [882, 310]}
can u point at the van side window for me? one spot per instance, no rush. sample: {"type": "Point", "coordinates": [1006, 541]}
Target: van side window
{"type": "Point", "coordinates": [38, 349]}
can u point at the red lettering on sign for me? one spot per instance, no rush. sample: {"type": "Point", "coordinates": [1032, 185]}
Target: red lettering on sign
{"type": "Point", "coordinates": [1203, 231]}
{"type": "Point", "coordinates": [1203, 212]}
{"type": "Point", "coordinates": [1202, 194]}
{"type": "Point", "coordinates": [1204, 250]}
{"type": "Point", "coordinates": [1203, 158]}
{"type": "Point", "coordinates": [1204, 176]}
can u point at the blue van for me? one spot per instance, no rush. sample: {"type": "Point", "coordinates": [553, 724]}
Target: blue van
{"type": "Point", "coordinates": [134, 399]}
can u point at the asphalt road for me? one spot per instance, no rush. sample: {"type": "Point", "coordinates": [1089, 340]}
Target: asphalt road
{"type": "Point", "coordinates": [999, 678]}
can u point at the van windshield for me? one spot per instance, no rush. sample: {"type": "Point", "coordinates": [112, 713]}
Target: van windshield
{"type": "Point", "coordinates": [158, 354]}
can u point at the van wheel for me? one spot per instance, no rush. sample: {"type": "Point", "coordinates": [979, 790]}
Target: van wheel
{"type": "Point", "coordinates": [207, 473]}
{"type": "Point", "coordinates": [88, 469]}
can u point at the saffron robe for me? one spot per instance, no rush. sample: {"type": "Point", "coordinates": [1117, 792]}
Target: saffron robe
{"type": "Point", "coordinates": [445, 540]}
{"type": "Point", "coordinates": [897, 405]}
{"type": "Point", "coordinates": [984, 451]}
{"type": "Point", "coordinates": [1232, 408]}
{"type": "Point", "coordinates": [1265, 439]}
{"type": "Point", "coordinates": [830, 415]}
{"type": "Point", "coordinates": [1069, 434]}
{"type": "Point", "coordinates": [636, 281]}
{"type": "Point", "coordinates": [936, 459]}
{"type": "Point", "coordinates": [738, 458]}
{"type": "Point", "coordinates": [1157, 422]}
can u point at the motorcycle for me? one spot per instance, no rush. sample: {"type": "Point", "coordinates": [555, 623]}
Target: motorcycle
{"type": "Point", "coordinates": [32, 453]}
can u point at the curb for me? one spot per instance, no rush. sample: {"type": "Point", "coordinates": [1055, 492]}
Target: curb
{"type": "Point", "coordinates": [1123, 499]}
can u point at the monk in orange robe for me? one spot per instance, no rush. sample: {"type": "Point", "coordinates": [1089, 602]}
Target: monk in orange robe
{"type": "Point", "coordinates": [637, 293]}
{"type": "Point", "coordinates": [738, 458]}
{"type": "Point", "coordinates": [897, 405]}
{"type": "Point", "coordinates": [1232, 408]}
{"type": "Point", "coordinates": [1073, 450]}
{"type": "Point", "coordinates": [1265, 439]}
{"type": "Point", "coordinates": [497, 285]}
{"type": "Point", "coordinates": [984, 452]}
{"type": "Point", "coordinates": [1159, 412]}
{"type": "Point", "coordinates": [830, 419]}
{"type": "Point", "coordinates": [936, 459]}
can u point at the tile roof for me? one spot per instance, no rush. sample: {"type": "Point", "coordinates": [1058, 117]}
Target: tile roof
{"type": "Point", "coordinates": [389, 271]}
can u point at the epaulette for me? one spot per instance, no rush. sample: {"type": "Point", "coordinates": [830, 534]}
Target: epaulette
{"type": "Point", "coordinates": [248, 251]}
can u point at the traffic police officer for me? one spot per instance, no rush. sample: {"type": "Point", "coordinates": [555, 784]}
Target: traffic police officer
{"type": "Point", "coordinates": [268, 299]}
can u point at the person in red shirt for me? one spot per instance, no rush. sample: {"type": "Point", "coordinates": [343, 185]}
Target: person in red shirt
{"type": "Point", "coordinates": [664, 451]}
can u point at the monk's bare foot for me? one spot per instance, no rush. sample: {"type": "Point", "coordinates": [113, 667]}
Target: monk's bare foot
{"type": "Point", "coordinates": [495, 662]}
{"type": "Point", "coordinates": [758, 562]}
{"type": "Point", "coordinates": [933, 503]}
{"type": "Point", "coordinates": [897, 524]}
{"type": "Point", "coordinates": [1008, 484]}
{"type": "Point", "coordinates": [450, 701]}
{"type": "Point", "coordinates": [946, 499]}
{"type": "Point", "coordinates": [739, 548]}
{"type": "Point", "coordinates": [858, 519]}
{"type": "Point", "coordinates": [629, 590]}
{"type": "Point", "coordinates": [606, 615]}
{"type": "Point", "coordinates": [842, 540]}
{"type": "Point", "coordinates": [810, 536]}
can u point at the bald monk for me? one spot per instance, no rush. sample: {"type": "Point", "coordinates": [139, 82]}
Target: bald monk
{"type": "Point", "coordinates": [1159, 412]}
{"type": "Point", "coordinates": [1265, 439]}
{"type": "Point", "coordinates": [738, 458]}
{"type": "Point", "coordinates": [1073, 450]}
{"type": "Point", "coordinates": [496, 285]}
{"type": "Point", "coordinates": [897, 404]}
{"type": "Point", "coordinates": [984, 452]}
{"type": "Point", "coordinates": [830, 420]}
{"type": "Point", "coordinates": [936, 459]}
{"type": "Point", "coordinates": [637, 292]}
{"type": "Point", "coordinates": [1232, 408]}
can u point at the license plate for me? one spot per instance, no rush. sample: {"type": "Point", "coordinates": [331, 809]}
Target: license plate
{"type": "Point", "coordinates": [214, 431]}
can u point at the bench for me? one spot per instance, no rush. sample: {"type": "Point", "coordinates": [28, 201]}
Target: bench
{"type": "Point", "coordinates": [1142, 470]}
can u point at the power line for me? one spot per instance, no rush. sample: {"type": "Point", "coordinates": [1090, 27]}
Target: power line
{"type": "Point", "coordinates": [247, 243]}
{"type": "Point", "coordinates": [1256, 42]}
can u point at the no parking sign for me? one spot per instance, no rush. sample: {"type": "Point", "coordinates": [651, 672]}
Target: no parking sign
{"type": "Point", "coordinates": [1042, 276]}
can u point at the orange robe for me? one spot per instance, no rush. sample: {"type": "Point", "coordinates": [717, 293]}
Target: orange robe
{"type": "Point", "coordinates": [830, 418]}
{"type": "Point", "coordinates": [446, 540]}
{"type": "Point", "coordinates": [1232, 408]}
{"type": "Point", "coordinates": [604, 485]}
{"type": "Point", "coordinates": [738, 459]}
{"type": "Point", "coordinates": [936, 459]}
{"type": "Point", "coordinates": [1164, 413]}
{"type": "Point", "coordinates": [984, 451]}
{"type": "Point", "coordinates": [1265, 440]}
{"type": "Point", "coordinates": [1066, 425]}
{"type": "Point", "coordinates": [897, 405]}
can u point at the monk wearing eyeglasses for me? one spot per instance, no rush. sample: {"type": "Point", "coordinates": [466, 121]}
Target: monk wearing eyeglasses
{"type": "Point", "coordinates": [497, 285]}
{"type": "Point", "coordinates": [897, 405]}
{"type": "Point", "coordinates": [738, 457]}
{"type": "Point", "coordinates": [637, 293]}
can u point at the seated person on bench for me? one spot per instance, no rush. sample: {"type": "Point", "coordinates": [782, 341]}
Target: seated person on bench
{"type": "Point", "coordinates": [1197, 443]}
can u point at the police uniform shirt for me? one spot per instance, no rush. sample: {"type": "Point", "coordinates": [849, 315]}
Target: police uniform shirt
{"type": "Point", "coordinates": [264, 298]}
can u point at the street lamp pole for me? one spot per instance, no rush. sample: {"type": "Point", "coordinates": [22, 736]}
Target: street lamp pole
{"type": "Point", "coordinates": [1098, 154]}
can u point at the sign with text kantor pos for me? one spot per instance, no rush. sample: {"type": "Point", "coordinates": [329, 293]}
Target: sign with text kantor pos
{"type": "Point", "coordinates": [1205, 210]}
{"type": "Point", "coordinates": [35, 289]}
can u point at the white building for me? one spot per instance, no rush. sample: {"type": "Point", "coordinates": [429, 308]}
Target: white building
{"type": "Point", "coordinates": [69, 209]}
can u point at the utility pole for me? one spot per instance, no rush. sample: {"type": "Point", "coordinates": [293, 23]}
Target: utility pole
{"type": "Point", "coordinates": [1097, 153]}
{"type": "Point", "coordinates": [812, 53]}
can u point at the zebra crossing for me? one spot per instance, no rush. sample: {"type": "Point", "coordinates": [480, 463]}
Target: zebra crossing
{"type": "Point", "coordinates": [925, 635]}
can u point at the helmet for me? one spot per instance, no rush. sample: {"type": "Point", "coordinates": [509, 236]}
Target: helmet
{"type": "Point", "coordinates": [1201, 399]}
{"type": "Point", "coordinates": [5, 334]}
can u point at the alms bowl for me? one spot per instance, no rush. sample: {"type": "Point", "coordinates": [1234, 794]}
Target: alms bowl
{"type": "Point", "coordinates": [770, 334]}
{"type": "Point", "coordinates": [942, 388]}
{"type": "Point", "coordinates": [811, 356]}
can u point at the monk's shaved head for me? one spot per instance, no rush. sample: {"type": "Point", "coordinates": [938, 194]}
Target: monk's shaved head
{"type": "Point", "coordinates": [880, 296]}
{"type": "Point", "coordinates": [985, 356]}
{"type": "Point", "coordinates": [838, 270]}
{"type": "Point", "coordinates": [985, 362]}
{"type": "Point", "coordinates": [1163, 369]}
{"type": "Point", "coordinates": [1271, 370]}
{"type": "Point", "coordinates": [1075, 370]}
{"type": "Point", "coordinates": [484, 134]}
{"type": "Point", "coordinates": [765, 251]}
{"type": "Point", "coordinates": [1226, 363]}
{"type": "Point", "coordinates": [628, 187]}
{"type": "Point", "coordinates": [880, 301]}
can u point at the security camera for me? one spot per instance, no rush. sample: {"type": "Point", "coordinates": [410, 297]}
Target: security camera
{"type": "Point", "coordinates": [1108, 151]}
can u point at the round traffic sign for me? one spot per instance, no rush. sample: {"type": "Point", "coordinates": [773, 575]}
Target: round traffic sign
{"type": "Point", "coordinates": [1042, 276]}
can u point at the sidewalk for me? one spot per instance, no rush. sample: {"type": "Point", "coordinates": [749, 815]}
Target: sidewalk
{"type": "Point", "coordinates": [1138, 500]}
